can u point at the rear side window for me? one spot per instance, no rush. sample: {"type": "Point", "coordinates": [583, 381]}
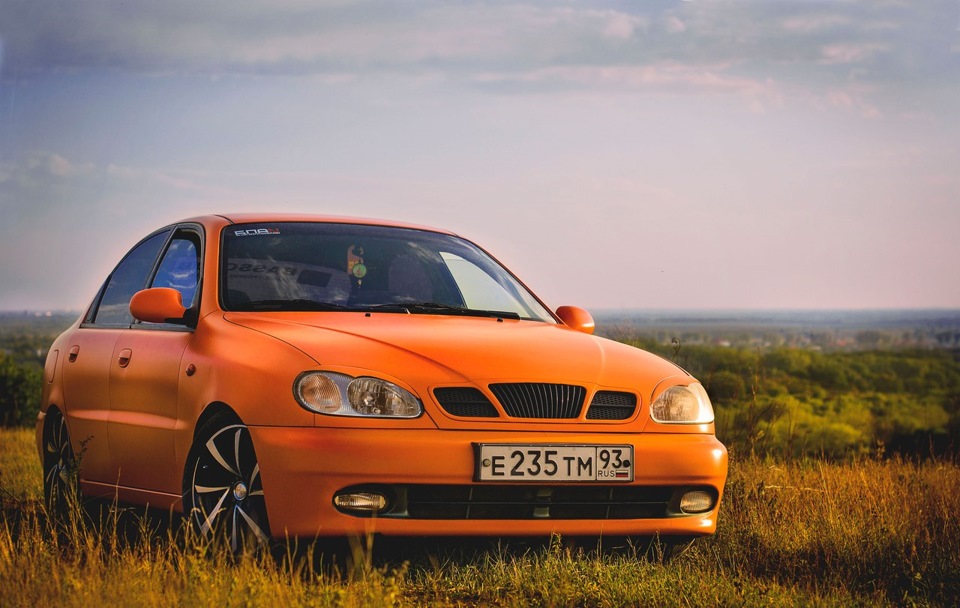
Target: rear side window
{"type": "Point", "coordinates": [129, 277]}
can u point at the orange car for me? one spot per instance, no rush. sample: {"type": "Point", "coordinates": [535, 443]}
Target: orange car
{"type": "Point", "coordinates": [283, 376]}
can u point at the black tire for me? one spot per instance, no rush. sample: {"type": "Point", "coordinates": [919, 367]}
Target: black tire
{"type": "Point", "coordinates": [61, 490]}
{"type": "Point", "coordinates": [222, 489]}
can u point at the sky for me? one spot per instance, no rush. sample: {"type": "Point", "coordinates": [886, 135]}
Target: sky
{"type": "Point", "coordinates": [703, 154]}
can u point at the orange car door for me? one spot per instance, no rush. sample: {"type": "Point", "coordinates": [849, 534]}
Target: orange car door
{"type": "Point", "coordinates": [144, 379]}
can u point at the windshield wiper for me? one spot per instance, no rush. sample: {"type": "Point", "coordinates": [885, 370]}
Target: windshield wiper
{"type": "Point", "coordinates": [400, 307]}
{"type": "Point", "coordinates": [289, 305]}
{"type": "Point", "coordinates": [435, 308]}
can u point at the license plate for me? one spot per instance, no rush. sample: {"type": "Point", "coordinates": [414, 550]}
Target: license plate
{"type": "Point", "coordinates": [536, 462]}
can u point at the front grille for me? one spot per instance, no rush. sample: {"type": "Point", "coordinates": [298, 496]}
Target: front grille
{"type": "Point", "coordinates": [525, 502]}
{"type": "Point", "coordinates": [465, 401]}
{"type": "Point", "coordinates": [534, 400]}
{"type": "Point", "coordinates": [611, 405]}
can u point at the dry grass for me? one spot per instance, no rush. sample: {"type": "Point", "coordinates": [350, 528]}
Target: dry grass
{"type": "Point", "coordinates": [799, 533]}
{"type": "Point", "coordinates": [885, 529]}
{"type": "Point", "coordinates": [20, 471]}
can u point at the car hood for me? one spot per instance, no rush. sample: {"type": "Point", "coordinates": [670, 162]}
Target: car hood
{"type": "Point", "coordinates": [432, 350]}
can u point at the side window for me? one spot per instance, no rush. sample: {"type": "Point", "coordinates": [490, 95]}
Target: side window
{"type": "Point", "coordinates": [127, 279]}
{"type": "Point", "coordinates": [179, 267]}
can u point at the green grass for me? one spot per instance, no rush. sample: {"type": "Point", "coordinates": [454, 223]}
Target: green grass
{"type": "Point", "coordinates": [871, 532]}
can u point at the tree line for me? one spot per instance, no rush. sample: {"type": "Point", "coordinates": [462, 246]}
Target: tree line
{"type": "Point", "coordinates": [788, 402]}
{"type": "Point", "coordinates": [794, 402]}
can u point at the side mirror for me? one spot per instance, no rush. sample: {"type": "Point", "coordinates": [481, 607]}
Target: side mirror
{"type": "Point", "coordinates": [158, 305]}
{"type": "Point", "coordinates": [576, 318]}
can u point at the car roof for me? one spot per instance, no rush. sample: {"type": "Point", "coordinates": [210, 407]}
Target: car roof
{"type": "Point", "coordinates": [261, 218]}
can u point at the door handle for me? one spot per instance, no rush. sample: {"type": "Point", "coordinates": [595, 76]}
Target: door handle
{"type": "Point", "coordinates": [124, 358]}
{"type": "Point", "coordinates": [74, 351]}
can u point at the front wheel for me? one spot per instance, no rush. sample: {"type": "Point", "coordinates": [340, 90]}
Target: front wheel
{"type": "Point", "coordinates": [223, 492]}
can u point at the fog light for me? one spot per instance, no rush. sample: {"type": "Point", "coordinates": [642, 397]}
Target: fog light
{"type": "Point", "coordinates": [696, 501]}
{"type": "Point", "coordinates": [361, 502]}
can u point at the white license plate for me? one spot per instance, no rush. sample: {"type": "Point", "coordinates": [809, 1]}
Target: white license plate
{"type": "Point", "coordinates": [536, 462]}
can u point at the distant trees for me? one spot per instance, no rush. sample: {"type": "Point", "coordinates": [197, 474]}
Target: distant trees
{"type": "Point", "coordinates": [24, 340]}
{"type": "Point", "coordinates": [19, 392]}
{"type": "Point", "coordinates": [794, 402]}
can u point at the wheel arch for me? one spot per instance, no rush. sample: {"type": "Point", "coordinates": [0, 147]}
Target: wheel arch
{"type": "Point", "coordinates": [213, 410]}
{"type": "Point", "coordinates": [186, 439]}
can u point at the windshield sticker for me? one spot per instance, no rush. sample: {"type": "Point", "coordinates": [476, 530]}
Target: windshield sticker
{"type": "Point", "coordinates": [256, 231]}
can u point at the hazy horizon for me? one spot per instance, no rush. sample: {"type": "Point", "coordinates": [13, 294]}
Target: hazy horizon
{"type": "Point", "coordinates": [628, 310]}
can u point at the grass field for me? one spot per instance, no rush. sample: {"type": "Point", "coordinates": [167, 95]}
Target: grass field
{"type": "Point", "coordinates": [871, 532]}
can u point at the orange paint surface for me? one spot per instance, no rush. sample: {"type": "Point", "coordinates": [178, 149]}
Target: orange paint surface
{"type": "Point", "coordinates": [136, 395]}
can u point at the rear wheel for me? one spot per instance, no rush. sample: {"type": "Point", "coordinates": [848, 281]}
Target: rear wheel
{"type": "Point", "coordinates": [223, 491]}
{"type": "Point", "coordinates": [60, 489]}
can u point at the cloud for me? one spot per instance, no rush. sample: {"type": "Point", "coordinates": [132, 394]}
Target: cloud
{"type": "Point", "coordinates": [887, 51]}
{"type": "Point", "coordinates": [41, 172]}
{"type": "Point", "coordinates": [58, 166]}
{"type": "Point", "coordinates": [850, 53]}
{"type": "Point", "coordinates": [674, 25]}
{"type": "Point", "coordinates": [293, 36]}
{"type": "Point", "coordinates": [300, 37]}
{"type": "Point", "coordinates": [815, 22]}
{"type": "Point", "coordinates": [621, 26]}
{"type": "Point", "coordinates": [45, 199]}
{"type": "Point", "coordinates": [662, 78]}
{"type": "Point", "coordinates": [177, 180]}
{"type": "Point", "coordinates": [850, 100]}
{"type": "Point", "coordinates": [41, 183]}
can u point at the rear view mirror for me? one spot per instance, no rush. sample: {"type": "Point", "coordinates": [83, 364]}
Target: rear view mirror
{"type": "Point", "coordinates": [576, 318]}
{"type": "Point", "coordinates": [158, 305]}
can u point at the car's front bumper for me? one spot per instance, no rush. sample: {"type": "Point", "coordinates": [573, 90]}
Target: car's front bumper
{"type": "Point", "coordinates": [303, 468]}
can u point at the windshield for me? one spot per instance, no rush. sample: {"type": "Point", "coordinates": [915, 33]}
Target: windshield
{"type": "Point", "coordinates": [323, 266]}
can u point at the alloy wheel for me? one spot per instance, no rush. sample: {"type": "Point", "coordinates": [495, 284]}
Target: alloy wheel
{"type": "Point", "coordinates": [59, 466]}
{"type": "Point", "coordinates": [225, 494]}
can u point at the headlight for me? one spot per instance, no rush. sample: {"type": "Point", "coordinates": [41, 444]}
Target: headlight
{"type": "Point", "coordinates": [682, 405]}
{"type": "Point", "coordinates": [343, 395]}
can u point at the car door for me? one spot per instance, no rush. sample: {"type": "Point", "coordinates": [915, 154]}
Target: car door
{"type": "Point", "coordinates": [90, 352]}
{"type": "Point", "coordinates": [145, 373]}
